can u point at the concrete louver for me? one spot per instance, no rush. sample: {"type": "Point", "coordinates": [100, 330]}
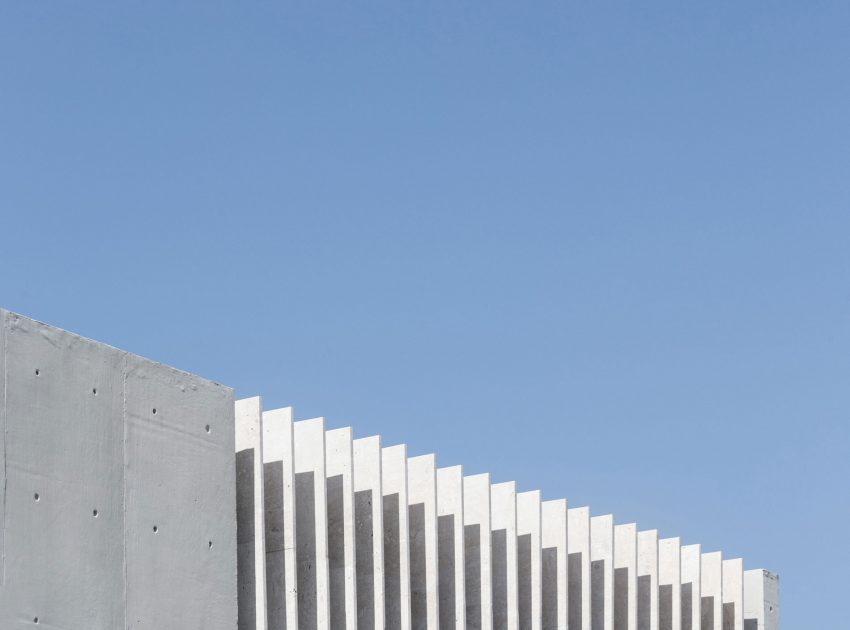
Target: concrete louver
{"type": "Point", "coordinates": [335, 533]}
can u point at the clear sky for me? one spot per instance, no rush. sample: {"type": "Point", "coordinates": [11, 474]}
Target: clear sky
{"type": "Point", "coordinates": [602, 249]}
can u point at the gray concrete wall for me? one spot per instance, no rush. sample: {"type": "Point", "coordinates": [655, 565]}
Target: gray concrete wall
{"type": "Point", "coordinates": [119, 488]}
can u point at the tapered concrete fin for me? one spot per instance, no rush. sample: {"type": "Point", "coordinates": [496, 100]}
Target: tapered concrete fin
{"type": "Point", "coordinates": [761, 600]}
{"type": "Point", "coordinates": [625, 577]}
{"type": "Point", "coordinates": [578, 547]}
{"type": "Point", "coordinates": [396, 538]}
{"type": "Point", "coordinates": [602, 572]}
{"type": "Point", "coordinates": [450, 548]}
{"type": "Point", "coordinates": [342, 579]}
{"type": "Point", "coordinates": [554, 596]}
{"type": "Point", "coordinates": [691, 569]}
{"type": "Point", "coordinates": [711, 587]}
{"type": "Point", "coordinates": [647, 603]}
{"type": "Point", "coordinates": [733, 594]}
{"type": "Point", "coordinates": [478, 592]}
{"type": "Point", "coordinates": [529, 561]}
{"type": "Point", "coordinates": [369, 534]}
{"type": "Point", "coordinates": [311, 525]}
{"type": "Point", "coordinates": [503, 539]}
{"type": "Point", "coordinates": [279, 489]}
{"type": "Point", "coordinates": [669, 584]}
{"type": "Point", "coordinates": [250, 512]}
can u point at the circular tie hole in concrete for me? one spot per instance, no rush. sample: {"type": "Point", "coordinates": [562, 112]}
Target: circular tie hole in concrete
{"type": "Point", "coordinates": [35, 619]}
{"type": "Point", "coordinates": [37, 372]}
{"type": "Point", "coordinates": [155, 529]}
{"type": "Point", "coordinates": [207, 428]}
{"type": "Point", "coordinates": [210, 545]}
{"type": "Point", "coordinates": [154, 411]}
{"type": "Point", "coordinates": [94, 390]}
{"type": "Point", "coordinates": [36, 497]}
{"type": "Point", "coordinates": [94, 513]}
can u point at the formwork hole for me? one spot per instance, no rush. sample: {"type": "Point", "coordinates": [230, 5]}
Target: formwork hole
{"type": "Point", "coordinates": [94, 513]}
{"type": "Point", "coordinates": [154, 411]}
{"type": "Point", "coordinates": [94, 390]}
{"type": "Point", "coordinates": [155, 529]}
{"type": "Point", "coordinates": [207, 428]}
{"type": "Point", "coordinates": [210, 545]}
{"type": "Point", "coordinates": [36, 496]}
{"type": "Point", "coordinates": [37, 372]}
{"type": "Point", "coordinates": [35, 619]}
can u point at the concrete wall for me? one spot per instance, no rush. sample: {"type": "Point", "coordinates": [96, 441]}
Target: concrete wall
{"type": "Point", "coordinates": [733, 594]}
{"type": "Point", "coordinates": [396, 538]}
{"type": "Point", "coordinates": [119, 488]}
{"type": "Point", "coordinates": [555, 595]}
{"type": "Point", "coordinates": [669, 584]}
{"type": "Point", "coordinates": [478, 593]}
{"type": "Point", "coordinates": [711, 591]}
{"type": "Point", "coordinates": [625, 577]}
{"type": "Point", "coordinates": [602, 572]}
{"type": "Point", "coordinates": [339, 468]}
{"type": "Point", "coordinates": [761, 600]}
{"type": "Point", "coordinates": [647, 601]}
{"type": "Point", "coordinates": [504, 555]}
{"type": "Point", "coordinates": [528, 559]}
{"type": "Point", "coordinates": [578, 549]}
{"type": "Point", "coordinates": [369, 524]}
{"type": "Point", "coordinates": [691, 569]}
{"type": "Point", "coordinates": [450, 547]}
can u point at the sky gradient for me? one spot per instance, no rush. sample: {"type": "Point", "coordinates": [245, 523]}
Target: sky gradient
{"type": "Point", "coordinates": [601, 249]}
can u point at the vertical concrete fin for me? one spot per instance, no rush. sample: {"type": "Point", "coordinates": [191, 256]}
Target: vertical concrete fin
{"type": "Point", "coordinates": [602, 572]}
{"type": "Point", "coordinates": [3, 323]}
{"type": "Point", "coordinates": [733, 594]}
{"type": "Point", "coordinates": [625, 577]}
{"type": "Point", "coordinates": [669, 584]}
{"type": "Point", "coordinates": [711, 591]}
{"type": "Point", "coordinates": [279, 490]}
{"type": "Point", "coordinates": [503, 539]}
{"type": "Point", "coordinates": [761, 600]}
{"type": "Point", "coordinates": [450, 548]}
{"type": "Point", "coordinates": [251, 544]}
{"type": "Point", "coordinates": [396, 537]}
{"type": "Point", "coordinates": [648, 580]}
{"type": "Point", "coordinates": [422, 520]}
{"type": "Point", "coordinates": [529, 593]}
{"type": "Point", "coordinates": [578, 547]}
{"type": "Point", "coordinates": [554, 592]}
{"type": "Point", "coordinates": [691, 586]}
{"type": "Point", "coordinates": [339, 469]}
{"type": "Point", "coordinates": [311, 525]}
{"type": "Point", "coordinates": [369, 533]}
{"type": "Point", "coordinates": [478, 590]}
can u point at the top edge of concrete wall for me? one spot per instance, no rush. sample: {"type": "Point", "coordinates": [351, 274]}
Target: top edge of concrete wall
{"type": "Point", "coordinates": [6, 315]}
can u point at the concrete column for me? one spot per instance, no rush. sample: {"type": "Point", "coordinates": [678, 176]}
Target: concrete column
{"type": "Point", "coordinates": [670, 584]}
{"type": "Point", "coordinates": [733, 594]}
{"type": "Point", "coordinates": [554, 596]}
{"type": "Point", "coordinates": [369, 534]}
{"type": "Point", "coordinates": [396, 538]}
{"type": "Point", "coordinates": [602, 572]}
{"type": "Point", "coordinates": [625, 577]}
{"type": "Point", "coordinates": [339, 469]}
{"type": "Point", "coordinates": [648, 580]}
{"type": "Point", "coordinates": [711, 591]}
{"type": "Point", "coordinates": [691, 556]}
{"type": "Point", "coordinates": [279, 490]}
{"type": "Point", "coordinates": [529, 571]}
{"type": "Point", "coordinates": [250, 515]}
{"type": "Point", "coordinates": [422, 521]}
{"type": "Point", "coordinates": [578, 546]}
{"type": "Point", "coordinates": [450, 548]}
{"type": "Point", "coordinates": [311, 525]}
{"type": "Point", "coordinates": [504, 555]}
{"type": "Point", "coordinates": [761, 600]}
{"type": "Point", "coordinates": [477, 552]}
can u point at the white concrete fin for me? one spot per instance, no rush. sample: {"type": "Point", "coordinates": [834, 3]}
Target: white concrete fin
{"type": "Point", "coordinates": [396, 538]}
{"type": "Point", "coordinates": [422, 521]}
{"type": "Point", "coordinates": [602, 572]}
{"type": "Point", "coordinates": [529, 535]}
{"type": "Point", "coordinates": [669, 584]}
{"type": "Point", "coordinates": [647, 601]}
{"type": "Point", "coordinates": [578, 546]}
{"type": "Point", "coordinates": [691, 563]}
{"type": "Point", "coordinates": [733, 594]}
{"type": "Point", "coordinates": [450, 546]}
{"type": "Point", "coordinates": [478, 592]}
{"type": "Point", "coordinates": [625, 577]}
{"type": "Point", "coordinates": [369, 534]}
{"type": "Point", "coordinates": [279, 490]}
{"type": "Point", "coordinates": [554, 596]}
{"type": "Point", "coordinates": [311, 525]}
{"type": "Point", "coordinates": [503, 542]}
{"type": "Point", "coordinates": [339, 469]}
{"type": "Point", "coordinates": [711, 587]}
{"type": "Point", "coordinates": [250, 512]}
{"type": "Point", "coordinates": [761, 600]}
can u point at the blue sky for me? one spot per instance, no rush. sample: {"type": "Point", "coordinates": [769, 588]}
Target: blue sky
{"type": "Point", "coordinates": [598, 248]}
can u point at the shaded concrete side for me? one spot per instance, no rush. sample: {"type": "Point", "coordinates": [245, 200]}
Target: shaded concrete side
{"type": "Point", "coordinates": [396, 538]}
{"type": "Point", "coordinates": [669, 584]}
{"type": "Point", "coordinates": [554, 596]}
{"type": "Point", "coordinates": [478, 591]}
{"type": "Point", "coordinates": [690, 567]}
{"type": "Point", "coordinates": [422, 520]}
{"type": "Point", "coordinates": [504, 555]}
{"type": "Point", "coordinates": [625, 577]}
{"type": "Point", "coordinates": [602, 572]}
{"type": "Point", "coordinates": [733, 594]}
{"type": "Point", "coordinates": [647, 580]}
{"type": "Point", "coordinates": [578, 547]}
{"type": "Point", "coordinates": [339, 468]}
{"type": "Point", "coordinates": [528, 522]}
{"type": "Point", "coordinates": [711, 595]}
{"type": "Point", "coordinates": [450, 546]}
{"type": "Point", "coordinates": [279, 491]}
{"type": "Point", "coordinates": [250, 514]}
{"type": "Point", "coordinates": [369, 532]}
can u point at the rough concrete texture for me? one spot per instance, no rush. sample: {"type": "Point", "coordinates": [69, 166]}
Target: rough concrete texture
{"type": "Point", "coordinates": [578, 548]}
{"type": "Point", "coordinates": [339, 468]}
{"type": "Point", "coordinates": [711, 591]}
{"type": "Point", "coordinates": [669, 584]}
{"type": "Point", "coordinates": [478, 592]}
{"type": "Point", "coordinates": [602, 572]}
{"type": "Point", "coordinates": [733, 594]}
{"type": "Point", "coordinates": [369, 525]}
{"type": "Point", "coordinates": [648, 580]}
{"type": "Point", "coordinates": [450, 547]}
{"type": "Point", "coordinates": [625, 577]}
{"type": "Point", "coordinates": [114, 515]}
{"type": "Point", "coordinates": [690, 564]}
{"type": "Point", "coordinates": [504, 555]}
{"type": "Point", "coordinates": [529, 589]}
{"type": "Point", "coordinates": [761, 600]}
{"type": "Point", "coordinates": [554, 597]}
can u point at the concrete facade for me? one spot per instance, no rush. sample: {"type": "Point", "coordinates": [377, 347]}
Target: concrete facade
{"type": "Point", "coordinates": [137, 496]}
